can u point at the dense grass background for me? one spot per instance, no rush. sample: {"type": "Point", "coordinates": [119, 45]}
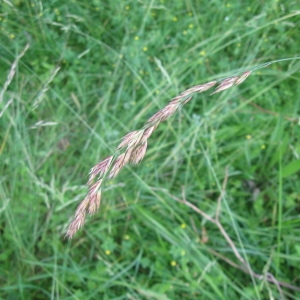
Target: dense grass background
{"type": "Point", "coordinates": [120, 62]}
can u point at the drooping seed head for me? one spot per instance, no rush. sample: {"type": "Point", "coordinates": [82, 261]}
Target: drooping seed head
{"type": "Point", "coordinates": [136, 143]}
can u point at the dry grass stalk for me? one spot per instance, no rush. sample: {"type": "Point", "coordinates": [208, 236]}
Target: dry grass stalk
{"type": "Point", "coordinates": [243, 263]}
{"type": "Point", "coordinates": [134, 146]}
{"type": "Point", "coordinates": [10, 77]}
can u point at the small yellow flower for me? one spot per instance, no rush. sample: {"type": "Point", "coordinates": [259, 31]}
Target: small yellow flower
{"type": "Point", "coordinates": [56, 11]}
{"type": "Point", "coordinates": [107, 252]}
{"type": "Point", "coordinates": [32, 4]}
{"type": "Point", "coordinates": [183, 225]}
{"type": "Point", "coordinates": [249, 8]}
{"type": "Point", "coordinates": [175, 19]}
{"type": "Point", "coordinates": [127, 7]}
{"type": "Point", "coordinates": [228, 5]}
{"type": "Point", "coordinates": [182, 252]}
{"type": "Point", "coordinates": [263, 147]}
{"type": "Point", "coordinates": [239, 44]}
{"type": "Point", "coordinates": [145, 49]}
{"type": "Point", "coordinates": [136, 38]}
{"type": "Point", "coordinates": [202, 53]}
{"type": "Point", "coordinates": [191, 26]}
{"type": "Point", "coordinates": [173, 263]}
{"type": "Point", "coordinates": [184, 32]}
{"type": "Point", "coordinates": [12, 36]}
{"type": "Point", "coordinates": [127, 237]}
{"type": "Point", "coordinates": [248, 137]}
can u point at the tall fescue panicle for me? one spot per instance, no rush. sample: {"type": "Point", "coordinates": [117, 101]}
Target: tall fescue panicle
{"type": "Point", "coordinates": [134, 147]}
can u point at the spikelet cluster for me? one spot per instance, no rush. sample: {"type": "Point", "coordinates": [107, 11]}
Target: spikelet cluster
{"type": "Point", "coordinates": [134, 146]}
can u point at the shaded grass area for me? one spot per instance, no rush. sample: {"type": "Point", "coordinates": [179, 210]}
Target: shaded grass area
{"type": "Point", "coordinates": [96, 70]}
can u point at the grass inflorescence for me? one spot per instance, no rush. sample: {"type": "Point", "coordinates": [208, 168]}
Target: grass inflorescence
{"type": "Point", "coordinates": [135, 143]}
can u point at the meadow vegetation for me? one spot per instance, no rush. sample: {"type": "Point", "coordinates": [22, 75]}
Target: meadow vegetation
{"type": "Point", "coordinates": [213, 209]}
